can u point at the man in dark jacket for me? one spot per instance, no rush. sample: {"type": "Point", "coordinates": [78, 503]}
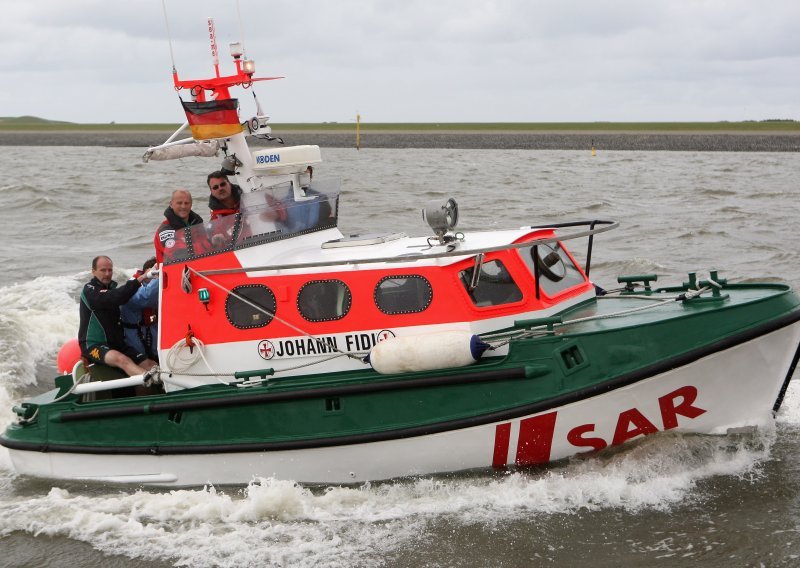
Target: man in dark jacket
{"type": "Point", "coordinates": [100, 334]}
{"type": "Point", "coordinates": [178, 215]}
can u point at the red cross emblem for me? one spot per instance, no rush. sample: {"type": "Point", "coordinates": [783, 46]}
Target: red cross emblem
{"type": "Point", "coordinates": [266, 349]}
{"type": "Point", "coordinates": [385, 334]}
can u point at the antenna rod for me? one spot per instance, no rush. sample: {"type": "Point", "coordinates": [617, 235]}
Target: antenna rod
{"type": "Point", "coordinates": [169, 36]}
{"type": "Point", "coordinates": [241, 30]}
{"type": "Point", "coordinates": [212, 36]}
{"type": "Point", "coordinates": [259, 111]}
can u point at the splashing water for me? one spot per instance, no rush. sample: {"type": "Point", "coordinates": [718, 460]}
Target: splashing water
{"type": "Point", "coordinates": [281, 523]}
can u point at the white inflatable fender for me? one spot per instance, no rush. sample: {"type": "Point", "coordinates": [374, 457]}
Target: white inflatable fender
{"type": "Point", "coordinates": [426, 352]}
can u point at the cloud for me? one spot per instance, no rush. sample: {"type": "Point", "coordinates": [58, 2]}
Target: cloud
{"type": "Point", "coordinates": [450, 60]}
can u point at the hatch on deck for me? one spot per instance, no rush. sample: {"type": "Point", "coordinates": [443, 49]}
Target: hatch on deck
{"type": "Point", "coordinates": [361, 240]}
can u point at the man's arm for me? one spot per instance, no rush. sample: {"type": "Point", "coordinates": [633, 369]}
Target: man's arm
{"type": "Point", "coordinates": [146, 296]}
{"type": "Point", "coordinates": [102, 298]}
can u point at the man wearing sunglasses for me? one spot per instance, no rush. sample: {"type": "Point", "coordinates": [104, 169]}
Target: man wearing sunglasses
{"type": "Point", "coordinates": [225, 196]}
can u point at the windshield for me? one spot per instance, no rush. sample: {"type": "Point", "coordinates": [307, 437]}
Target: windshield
{"type": "Point", "coordinates": [265, 215]}
{"type": "Point", "coordinates": [273, 213]}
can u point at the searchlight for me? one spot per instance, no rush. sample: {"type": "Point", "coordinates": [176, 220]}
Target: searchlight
{"type": "Point", "coordinates": [441, 217]}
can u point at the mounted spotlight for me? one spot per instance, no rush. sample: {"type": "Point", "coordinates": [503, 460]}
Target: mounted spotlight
{"type": "Point", "coordinates": [229, 165]}
{"type": "Point", "coordinates": [441, 217]}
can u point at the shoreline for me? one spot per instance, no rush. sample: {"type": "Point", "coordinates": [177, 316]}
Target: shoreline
{"type": "Point", "coordinates": [685, 141]}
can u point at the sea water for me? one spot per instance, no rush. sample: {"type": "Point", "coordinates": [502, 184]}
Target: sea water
{"type": "Point", "coordinates": [668, 500]}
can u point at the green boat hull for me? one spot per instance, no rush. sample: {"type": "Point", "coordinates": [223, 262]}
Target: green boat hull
{"type": "Point", "coordinates": [626, 375]}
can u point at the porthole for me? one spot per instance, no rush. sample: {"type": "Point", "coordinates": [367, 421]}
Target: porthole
{"type": "Point", "coordinates": [324, 300]}
{"type": "Point", "coordinates": [406, 294]}
{"type": "Point", "coordinates": [247, 315]}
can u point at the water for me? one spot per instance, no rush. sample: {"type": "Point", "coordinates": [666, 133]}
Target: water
{"type": "Point", "coordinates": [670, 500]}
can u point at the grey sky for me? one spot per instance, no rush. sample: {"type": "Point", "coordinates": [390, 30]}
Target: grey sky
{"type": "Point", "coordinates": [412, 60]}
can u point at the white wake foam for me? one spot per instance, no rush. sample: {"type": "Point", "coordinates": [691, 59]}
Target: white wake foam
{"type": "Point", "coordinates": [36, 317]}
{"type": "Point", "coordinates": [280, 523]}
{"type": "Point", "coordinates": [789, 413]}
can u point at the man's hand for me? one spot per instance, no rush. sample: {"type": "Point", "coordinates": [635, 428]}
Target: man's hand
{"type": "Point", "coordinates": [149, 275]}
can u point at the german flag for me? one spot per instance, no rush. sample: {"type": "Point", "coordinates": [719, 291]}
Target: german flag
{"type": "Point", "coordinates": [213, 119]}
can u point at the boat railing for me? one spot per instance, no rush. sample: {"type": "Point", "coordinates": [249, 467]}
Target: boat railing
{"type": "Point", "coordinates": [452, 250]}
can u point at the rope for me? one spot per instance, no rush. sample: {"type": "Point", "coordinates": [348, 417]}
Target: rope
{"type": "Point", "coordinates": [73, 387]}
{"type": "Point", "coordinates": [633, 297]}
{"type": "Point", "coordinates": [169, 34]}
{"type": "Point", "coordinates": [62, 397]}
{"type": "Point", "coordinates": [178, 364]}
{"type": "Point", "coordinates": [689, 294]}
{"type": "Point", "coordinates": [183, 355]}
{"type": "Point", "coordinates": [539, 331]}
{"type": "Point", "coordinates": [274, 316]}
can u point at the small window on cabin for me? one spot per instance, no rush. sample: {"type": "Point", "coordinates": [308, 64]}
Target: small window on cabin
{"type": "Point", "coordinates": [255, 308]}
{"type": "Point", "coordinates": [493, 287]}
{"type": "Point", "coordinates": [556, 270]}
{"type": "Point", "coordinates": [403, 294]}
{"type": "Point", "coordinates": [324, 300]}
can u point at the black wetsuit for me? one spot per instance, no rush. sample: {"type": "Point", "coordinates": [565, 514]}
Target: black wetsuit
{"type": "Point", "coordinates": [99, 311]}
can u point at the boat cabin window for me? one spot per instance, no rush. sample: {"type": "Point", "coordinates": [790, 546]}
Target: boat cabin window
{"type": "Point", "coordinates": [493, 287]}
{"type": "Point", "coordinates": [324, 300]}
{"type": "Point", "coordinates": [205, 238]}
{"type": "Point", "coordinates": [247, 315]}
{"type": "Point", "coordinates": [272, 213]}
{"type": "Point", "coordinates": [406, 294]}
{"type": "Point", "coordinates": [556, 270]}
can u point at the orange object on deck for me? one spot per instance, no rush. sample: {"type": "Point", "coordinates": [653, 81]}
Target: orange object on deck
{"type": "Point", "coordinates": [68, 355]}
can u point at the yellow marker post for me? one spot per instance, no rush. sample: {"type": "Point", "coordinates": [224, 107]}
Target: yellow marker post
{"type": "Point", "coordinates": [593, 151]}
{"type": "Point", "coordinates": [358, 131]}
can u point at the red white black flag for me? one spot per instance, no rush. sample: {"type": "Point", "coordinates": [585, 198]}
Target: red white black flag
{"type": "Point", "coordinates": [213, 119]}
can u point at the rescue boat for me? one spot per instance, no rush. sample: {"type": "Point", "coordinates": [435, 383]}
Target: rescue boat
{"type": "Point", "coordinates": [291, 350]}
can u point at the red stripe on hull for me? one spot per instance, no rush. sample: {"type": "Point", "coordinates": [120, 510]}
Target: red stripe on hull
{"type": "Point", "coordinates": [502, 436]}
{"type": "Point", "coordinates": [535, 439]}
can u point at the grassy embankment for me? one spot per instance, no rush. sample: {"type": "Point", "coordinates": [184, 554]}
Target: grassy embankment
{"type": "Point", "coordinates": [38, 124]}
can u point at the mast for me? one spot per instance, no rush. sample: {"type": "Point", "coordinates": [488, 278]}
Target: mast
{"type": "Point", "coordinates": [213, 113]}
